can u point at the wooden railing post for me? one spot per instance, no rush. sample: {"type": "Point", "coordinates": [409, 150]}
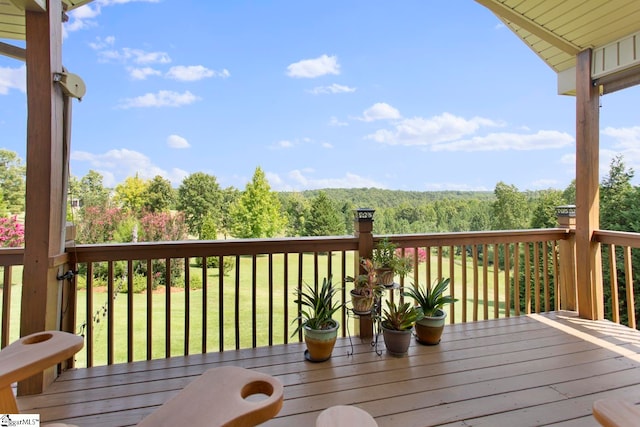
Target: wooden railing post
{"type": "Point", "coordinates": [363, 227]}
{"type": "Point", "coordinates": [588, 255]}
{"type": "Point", "coordinates": [567, 275]}
{"type": "Point", "coordinates": [45, 196]}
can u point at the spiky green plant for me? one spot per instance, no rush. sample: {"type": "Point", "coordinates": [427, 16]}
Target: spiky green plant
{"type": "Point", "coordinates": [430, 299]}
{"type": "Point", "coordinates": [317, 306]}
{"type": "Point", "coordinates": [400, 317]}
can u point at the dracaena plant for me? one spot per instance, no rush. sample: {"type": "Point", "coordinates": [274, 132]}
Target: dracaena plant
{"type": "Point", "coordinates": [430, 299]}
{"type": "Point", "coordinates": [317, 306]}
{"type": "Point", "coordinates": [366, 284]}
{"type": "Point", "coordinates": [400, 317]}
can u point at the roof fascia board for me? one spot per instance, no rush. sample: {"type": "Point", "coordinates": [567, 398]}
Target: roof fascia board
{"type": "Point", "coordinates": [12, 51]}
{"type": "Point", "coordinates": [31, 5]}
{"type": "Point", "coordinates": [511, 15]}
{"type": "Point", "coordinates": [617, 56]}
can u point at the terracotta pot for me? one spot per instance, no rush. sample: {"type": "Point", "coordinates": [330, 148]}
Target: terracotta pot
{"type": "Point", "coordinates": [385, 276]}
{"type": "Point", "coordinates": [361, 304]}
{"type": "Point", "coordinates": [320, 342]}
{"type": "Point", "coordinates": [397, 342]}
{"type": "Point", "coordinates": [429, 329]}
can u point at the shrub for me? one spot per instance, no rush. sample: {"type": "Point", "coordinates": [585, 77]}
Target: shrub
{"type": "Point", "coordinates": [11, 232]}
{"type": "Point", "coordinates": [228, 263]}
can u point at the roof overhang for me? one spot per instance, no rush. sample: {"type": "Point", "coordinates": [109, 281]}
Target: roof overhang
{"type": "Point", "coordinates": [557, 30]}
{"type": "Point", "coordinates": [12, 20]}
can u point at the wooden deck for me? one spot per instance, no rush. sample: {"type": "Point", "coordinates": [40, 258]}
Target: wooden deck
{"type": "Point", "coordinates": [521, 371]}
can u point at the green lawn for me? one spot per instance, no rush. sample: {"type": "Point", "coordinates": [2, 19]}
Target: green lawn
{"type": "Point", "coordinates": [245, 313]}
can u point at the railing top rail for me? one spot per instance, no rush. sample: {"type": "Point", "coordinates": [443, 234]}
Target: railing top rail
{"type": "Point", "coordinates": [619, 238]}
{"type": "Point", "coordinates": [477, 237]}
{"type": "Point", "coordinates": [194, 248]}
{"type": "Point", "coordinates": [11, 256]}
{"type": "Point", "coordinates": [232, 247]}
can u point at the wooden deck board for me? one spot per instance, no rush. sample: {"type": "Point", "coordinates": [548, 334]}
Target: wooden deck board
{"type": "Point", "coordinates": [528, 370]}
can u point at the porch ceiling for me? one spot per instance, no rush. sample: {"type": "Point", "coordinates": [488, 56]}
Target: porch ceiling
{"type": "Point", "coordinates": [12, 15]}
{"type": "Point", "coordinates": [557, 30]}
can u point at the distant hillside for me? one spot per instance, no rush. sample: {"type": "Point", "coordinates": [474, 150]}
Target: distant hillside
{"type": "Point", "coordinates": [380, 198]}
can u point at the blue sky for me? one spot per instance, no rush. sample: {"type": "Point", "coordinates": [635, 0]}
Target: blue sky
{"type": "Point", "coordinates": [410, 95]}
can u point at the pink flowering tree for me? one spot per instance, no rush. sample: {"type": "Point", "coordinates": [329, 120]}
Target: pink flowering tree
{"type": "Point", "coordinates": [162, 226]}
{"type": "Point", "coordinates": [98, 224]}
{"type": "Point", "coordinates": [411, 254]}
{"type": "Point", "coordinates": [11, 232]}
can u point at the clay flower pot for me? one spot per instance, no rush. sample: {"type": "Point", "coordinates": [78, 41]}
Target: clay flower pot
{"type": "Point", "coordinates": [429, 329]}
{"type": "Point", "coordinates": [320, 342]}
{"type": "Point", "coordinates": [361, 304]}
{"type": "Point", "coordinates": [397, 342]}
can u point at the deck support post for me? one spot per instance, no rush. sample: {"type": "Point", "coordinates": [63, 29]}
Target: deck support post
{"type": "Point", "coordinates": [588, 255]}
{"type": "Point", "coordinates": [363, 228]}
{"type": "Point", "coordinates": [45, 200]}
{"type": "Point", "coordinates": [567, 248]}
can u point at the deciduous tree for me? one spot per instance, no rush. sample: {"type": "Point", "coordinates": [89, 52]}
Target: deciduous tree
{"type": "Point", "coordinates": [159, 196]}
{"type": "Point", "coordinates": [12, 180]}
{"type": "Point", "coordinates": [199, 195]}
{"type": "Point", "coordinates": [91, 190]}
{"type": "Point", "coordinates": [130, 194]}
{"type": "Point", "coordinates": [544, 209]}
{"type": "Point", "coordinates": [510, 208]}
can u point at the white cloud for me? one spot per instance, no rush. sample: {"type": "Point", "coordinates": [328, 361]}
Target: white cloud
{"type": "Point", "coordinates": [326, 145]}
{"type": "Point", "coordinates": [335, 122]}
{"type": "Point", "coordinates": [164, 98]}
{"type": "Point", "coordinates": [101, 43]}
{"type": "Point", "coordinates": [283, 144]}
{"type": "Point", "coordinates": [380, 111]}
{"type": "Point", "coordinates": [143, 73]}
{"type": "Point", "coordinates": [84, 16]}
{"type": "Point", "coordinates": [176, 141]}
{"type": "Point", "coordinates": [194, 72]}
{"type": "Point", "coordinates": [311, 68]}
{"type": "Point", "coordinates": [626, 137]}
{"type": "Point", "coordinates": [137, 56]}
{"type": "Point", "coordinates": [568, 159]}
{"type": "Point", "coordinates": [334, 88]}
{"type": "Point", "coordinates": [431, 131]}
{"type": "Point", "coordinates": [626, 143]}
{"type": "Point", "coordinates": [541, 140]}
{"type": "Point", "coordinates": [116, 165]}
{"type": "Point", "coordinates": [13, 78]}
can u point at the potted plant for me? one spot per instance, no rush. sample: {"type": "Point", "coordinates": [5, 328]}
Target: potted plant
{"type": "Point", "coordinates": [430, 301]}
{"type": "Point", "coordinates": [365, 288]}
{"type": "Point", "coordinates": [317, 307]}
{"type": "Point", "coordinates": [397, 323]}
{"type": "Point", "coordinates": [389, 263]}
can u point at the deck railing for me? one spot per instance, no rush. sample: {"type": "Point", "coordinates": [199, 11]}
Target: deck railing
{"type": "Point", "coordinates": [185, 309]}
{"type": "Point", "coordinates": [620, 288]}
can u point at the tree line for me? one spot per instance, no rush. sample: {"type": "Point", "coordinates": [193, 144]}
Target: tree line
{"type": "Point", "coordinates": [140, 209]}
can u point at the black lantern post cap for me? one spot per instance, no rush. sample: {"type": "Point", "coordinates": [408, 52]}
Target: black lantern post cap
{"type": "Point", "coordinates": [566, 210]}
{"type": "Point", "coordinates": [364, 214]}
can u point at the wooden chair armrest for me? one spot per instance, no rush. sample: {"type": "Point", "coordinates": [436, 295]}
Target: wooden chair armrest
{"type": "Point", "coordinates": [616, 413]}
{"type": "Point", "coordinates": [31, 355]}
{"type": "Point", "coordinates": [34, 353]}
{"type": "Point", "coordinates": [218, 397]}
